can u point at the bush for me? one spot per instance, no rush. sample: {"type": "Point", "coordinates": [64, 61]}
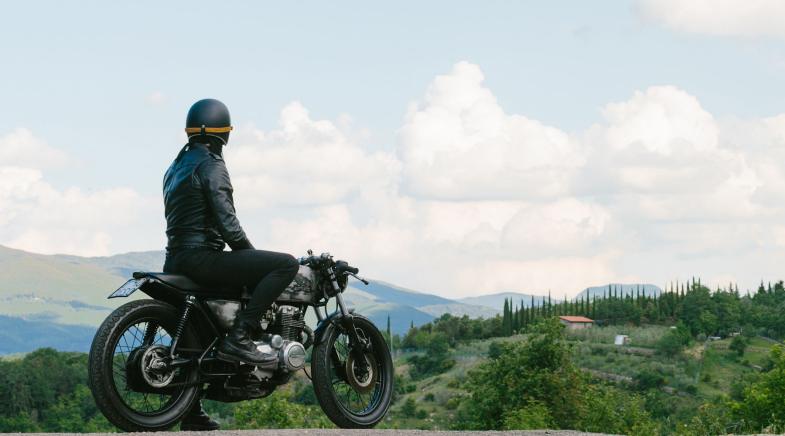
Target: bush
{"type": "Point", "coordinates": [429, 397]}
{"type": "Point", "coordinates": [738, 344]}
{"type": "Point", "coordinates": [436, 359]}
{"type": "Point", "coordinates": [421, 414]}
{"type": "Point", "coordinates": [673, 342]}
{"type": "Point", "coordinates": [409, 407]}
{"type": "Point", "coordinates": [276, 411]}
{"type": "Point", "coordinates": [533, 416]}
{"type": "Point", "coordinates": [648, 379]}
{"type": "Point", "coordinates": [494, 350]}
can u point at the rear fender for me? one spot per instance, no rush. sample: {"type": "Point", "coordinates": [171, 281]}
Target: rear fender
{"type": "Point", "coordinates": [199, 319]}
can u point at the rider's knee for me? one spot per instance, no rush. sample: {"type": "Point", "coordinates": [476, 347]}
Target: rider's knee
{"type": "Point", "coordinates": [292, 265]}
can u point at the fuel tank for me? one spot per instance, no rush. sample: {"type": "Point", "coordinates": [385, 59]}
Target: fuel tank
{"type": "Point", "coordinates": [303, 289]}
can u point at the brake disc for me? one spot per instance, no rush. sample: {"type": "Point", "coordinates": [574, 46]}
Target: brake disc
{"type": "Point", "coordinates": [154, 366]}
{"type": "Point", "coordinates": [362, 376]}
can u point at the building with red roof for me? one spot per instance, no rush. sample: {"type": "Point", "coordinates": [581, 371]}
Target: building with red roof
{"type": "Point", "coordinates": [576, 322]}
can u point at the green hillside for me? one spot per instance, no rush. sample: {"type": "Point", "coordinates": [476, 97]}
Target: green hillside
{"type": "Point", "coordinates": [69, 293]}
{"type": "Point", "coordinates": [54, 288]}
{"type": "Point", "coordinates": [669, 393]}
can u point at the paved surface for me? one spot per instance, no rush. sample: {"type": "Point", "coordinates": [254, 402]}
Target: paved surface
{"type": "Point", "coordinates": [338, 432]}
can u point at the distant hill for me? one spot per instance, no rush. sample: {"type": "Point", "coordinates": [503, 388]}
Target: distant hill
{"type": "Point", "coordinates": [621, 289]}
{"type": "Point", "coordinates": [496, 301]}
{"type": "Point", "coordinates": [20, 336]}
{"type": "Point", "coordinates": [65, 291]}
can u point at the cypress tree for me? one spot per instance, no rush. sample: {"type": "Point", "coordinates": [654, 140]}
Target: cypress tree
{"type": "Point", "coordinates": [533, 310]}
{"type": "Point", "coordinates": [549, 311]}
{"type": "Point", "coordinates": [506, 318]}
{"type": "Point", "coordinates": [389, 334]}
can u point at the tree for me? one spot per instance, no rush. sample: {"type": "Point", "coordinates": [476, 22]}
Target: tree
{"type": "Point", "coordinates": [738, 344]}
{"type": "Point", "coordinates": [537, 369]}
{"type": "Point", "coordinates": [762, 406]}
{"type": "Point", "coordinates": [506, 321]}
{"type": "Point", "coordinates": [674, 341]}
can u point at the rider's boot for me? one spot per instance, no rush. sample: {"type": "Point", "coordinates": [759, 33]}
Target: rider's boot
{"type": "Point", "coordinates": [198, 420]}
{"type": "Point", "coordinates": [237, 346]}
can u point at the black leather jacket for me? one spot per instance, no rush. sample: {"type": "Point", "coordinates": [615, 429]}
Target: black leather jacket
{"type": "Point", "coordinates": [198, 202]}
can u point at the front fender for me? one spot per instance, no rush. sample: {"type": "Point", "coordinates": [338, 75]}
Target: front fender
{"type": "Point", "coordinates": [328, 323]}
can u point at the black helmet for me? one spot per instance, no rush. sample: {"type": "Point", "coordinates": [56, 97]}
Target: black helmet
{"type": "Point", "coordinates": [209, 118]}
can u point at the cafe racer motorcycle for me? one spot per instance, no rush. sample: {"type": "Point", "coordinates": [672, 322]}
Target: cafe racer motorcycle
{"type": "Point", "coordinates": [151, 359]}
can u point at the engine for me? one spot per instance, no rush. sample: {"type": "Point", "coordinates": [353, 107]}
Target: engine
{"type": "Point", "coordinates": [291, 354]}
{"type": "Point", "coordinates": [290, 323]}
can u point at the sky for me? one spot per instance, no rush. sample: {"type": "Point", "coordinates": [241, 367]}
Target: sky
{"type": "Point", "coordinates": [459, 148]}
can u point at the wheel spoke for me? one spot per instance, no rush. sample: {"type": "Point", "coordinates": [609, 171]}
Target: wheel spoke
{"type": "Point", "coordinates": [141, 333]}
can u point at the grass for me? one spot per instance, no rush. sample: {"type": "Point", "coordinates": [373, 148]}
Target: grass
{"type": "Point", "coordinates": [643, 336]}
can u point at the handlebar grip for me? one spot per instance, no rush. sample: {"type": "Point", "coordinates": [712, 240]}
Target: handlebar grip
{"type": "Point", "coordinates": [342, 266]}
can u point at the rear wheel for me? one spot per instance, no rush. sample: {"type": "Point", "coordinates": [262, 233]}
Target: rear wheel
{"type": "Point", "coordinates": [125, 359]}
{"type": "Point", "coordinates": [353, 388]}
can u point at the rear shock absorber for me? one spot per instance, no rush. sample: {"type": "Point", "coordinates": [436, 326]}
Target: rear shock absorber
{"type": "Point", "coordinates": [190, 302]}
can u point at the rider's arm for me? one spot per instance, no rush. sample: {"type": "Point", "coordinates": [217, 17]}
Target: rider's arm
{"type": "Point", "coordinates": [214, 179]}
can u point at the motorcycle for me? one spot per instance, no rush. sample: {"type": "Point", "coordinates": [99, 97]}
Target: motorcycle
{"type": "Point", "coordinates": [151, 359]}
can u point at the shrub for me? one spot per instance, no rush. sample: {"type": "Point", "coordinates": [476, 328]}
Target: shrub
{"type": "Point", "coordinates": [409, 407]}
{"type": "Point", "coordinates": [648, 379]}
{"type": "Point", "coordinates": [533, 416]}
{"type": "Point", "coordinates": [738, 344]}
{"type": "Point", "coordinates": [276, 411]}
{"type": "Point", "coordinates": [673, 342]}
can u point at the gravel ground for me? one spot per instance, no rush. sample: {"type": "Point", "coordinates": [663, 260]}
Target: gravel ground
{"type": "Point", "coordinates": [339, 432]}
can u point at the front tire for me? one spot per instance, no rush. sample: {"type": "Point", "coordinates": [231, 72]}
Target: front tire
{"type": "Point", "coordinates": [152, 323]}
{"type": "Point", "coordinates": [352, 394]}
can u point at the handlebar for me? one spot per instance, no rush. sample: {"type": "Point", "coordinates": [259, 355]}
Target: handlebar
{"type": "Point", "coordinates": [342, 266]}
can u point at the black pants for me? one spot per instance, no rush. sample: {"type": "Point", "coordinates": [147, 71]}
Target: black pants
{"type": "Point", "coordinates": [267, 273]}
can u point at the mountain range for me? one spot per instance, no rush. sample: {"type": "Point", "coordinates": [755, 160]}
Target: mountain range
{"type": "Point", "coordinates": [59, 300]}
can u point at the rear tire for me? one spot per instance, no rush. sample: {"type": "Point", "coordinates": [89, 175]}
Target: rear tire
{"type": "Point", "coordinates": [331, 396]}
{"type": "Point", "coordinates": [103, 368]}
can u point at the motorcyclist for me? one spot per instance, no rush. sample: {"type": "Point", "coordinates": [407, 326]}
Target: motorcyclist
{"type": "Point", "coordinates": [201, 221]}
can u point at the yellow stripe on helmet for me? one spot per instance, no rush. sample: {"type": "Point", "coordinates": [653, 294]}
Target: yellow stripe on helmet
{"type": "Point", "coordinates": [208, 129]}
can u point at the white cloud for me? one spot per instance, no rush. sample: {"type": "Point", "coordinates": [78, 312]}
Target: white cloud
{"type": "Point", "coordinates": [35, 216]}
{"type": "Point", "coordinates": [305, 162]}
{"type": "Point", "coordinates": [473, 199]}
{"type": "Point", "coordinates": [156, 98]}
{"type": "Point", "coordinates": [458, 143]}
{"type": "Point", "coordinates": [478, 200]}
{"type": "Point", "coordinates": [22, 149]}
{"type": "Point", "coordinates": [747, 18]}
{"type": "Point", "coordinates": [660, 151]}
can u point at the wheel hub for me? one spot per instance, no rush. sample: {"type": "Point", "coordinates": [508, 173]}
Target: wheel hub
{"type": "Point", "coordinates": [361, 374]}
{"type": "Point", "coordinates": [155, 368]}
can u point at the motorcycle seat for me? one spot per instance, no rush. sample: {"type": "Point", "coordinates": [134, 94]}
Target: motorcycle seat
{"type": "Point", "coordinates": [186, 284]}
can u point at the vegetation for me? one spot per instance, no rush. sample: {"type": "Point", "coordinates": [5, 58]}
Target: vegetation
{"type": "Point", "coordinates": [46, 391]}
{"type": "Point", "coordinates": [698, 362]}
{"type": "Point", "coordinates": [535, 384]}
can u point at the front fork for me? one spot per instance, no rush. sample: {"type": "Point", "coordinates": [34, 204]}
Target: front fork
{"type": "Point", "coordinates": [357, 345]}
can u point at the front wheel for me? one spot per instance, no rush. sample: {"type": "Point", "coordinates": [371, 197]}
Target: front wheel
{"type": "Point", "coordinates": [353, 387]}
